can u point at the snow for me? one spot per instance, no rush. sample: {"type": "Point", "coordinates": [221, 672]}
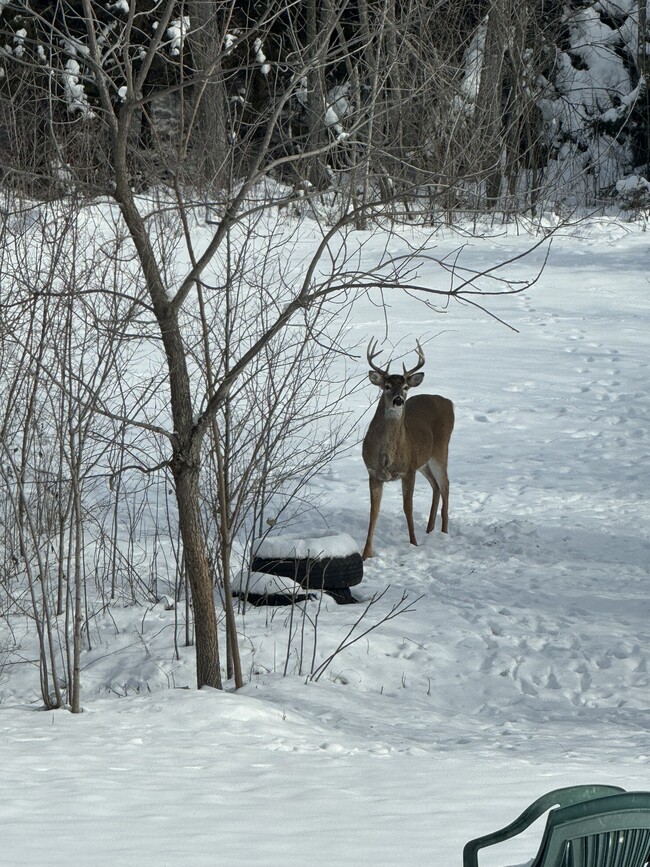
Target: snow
{"type": "Point", "coordinates": [175, 33]}
{"type": "Point", "coordinates": [261, 583]}
{"type": "Point", "coordinates": [19, 42]}
{"type": "Point", "coordinates": [473, 62]}
{"type": "Point", "coordinates": [260, 57]}
{"type": "Point", "coordinates": [337, 108]}
{"type": "Point", "coordinates": [522, 664]}
{"type": "Point", "coordinates": [74, 91]}
{"type": "Point", "coordinates": [632, 184]}
{"type": "Point", "coordinates": [317, 545]}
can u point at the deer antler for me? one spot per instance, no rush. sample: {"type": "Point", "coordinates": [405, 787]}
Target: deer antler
{"type": "Point", "coordinates": [373, 352]}
{"type": "Point", "coordinates": [420, 363]}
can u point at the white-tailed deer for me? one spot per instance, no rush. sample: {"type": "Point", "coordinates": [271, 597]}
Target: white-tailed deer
{"type": "Point", "coordinates": [405, 436]}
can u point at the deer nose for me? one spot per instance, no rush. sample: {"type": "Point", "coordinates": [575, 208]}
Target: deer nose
{"type": "Point", "coordinates": [398, 401]}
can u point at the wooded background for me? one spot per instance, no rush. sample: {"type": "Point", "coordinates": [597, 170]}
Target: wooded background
{"type": "Point", "coordinates": [482, 105]}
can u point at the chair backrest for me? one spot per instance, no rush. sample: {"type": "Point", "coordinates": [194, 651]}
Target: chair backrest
{"type": "Point", "coordinates": [605, 832]}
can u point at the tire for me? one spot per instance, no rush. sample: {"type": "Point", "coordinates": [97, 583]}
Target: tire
{"type": "Point", "coordinates": [274, 599]}
{"type": "Point", "coordinates": [328, 573]}
{"type": "Point", "coordinates": [342, 596]}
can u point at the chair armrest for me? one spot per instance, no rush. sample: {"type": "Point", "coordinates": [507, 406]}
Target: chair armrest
{"type": "Point", "coordinates": [557, 798]}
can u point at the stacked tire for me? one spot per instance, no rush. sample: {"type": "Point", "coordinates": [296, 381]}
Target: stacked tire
{"type": "Point", "coordinates": [325, 562]}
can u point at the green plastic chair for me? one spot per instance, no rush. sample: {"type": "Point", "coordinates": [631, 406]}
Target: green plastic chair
{"type": "Point", "coordinates": [588, 826]}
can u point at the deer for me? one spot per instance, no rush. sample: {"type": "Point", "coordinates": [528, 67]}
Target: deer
{"type": "Point", "coordinates": [403, 437]}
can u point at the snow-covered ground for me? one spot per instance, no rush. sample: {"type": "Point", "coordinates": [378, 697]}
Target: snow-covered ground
{"type": "Point", "coordinates": [521, 667]}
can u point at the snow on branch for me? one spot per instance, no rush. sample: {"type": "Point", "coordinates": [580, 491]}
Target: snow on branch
{"type": "Point", "coordinates": [74, 92]}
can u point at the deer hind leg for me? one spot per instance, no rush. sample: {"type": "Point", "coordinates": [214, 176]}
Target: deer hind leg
{"type": "Point", "coordinates": [408, 486]}
{"type": "Point", "coordinates": [437, 477]}
{"type": "Point", "coordinates": [376, 489]}
{"type": "Point", "coordinates": [431, 479]}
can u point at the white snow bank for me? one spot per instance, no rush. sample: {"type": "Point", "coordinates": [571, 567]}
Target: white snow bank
{"type": "Point", "coordinates": [632, 184]}
{"type": "Point", "coordinates": [296, 546]}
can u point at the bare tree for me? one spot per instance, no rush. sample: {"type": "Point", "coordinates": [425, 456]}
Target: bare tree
{"type": "Point", "coordinates": [52, 433]}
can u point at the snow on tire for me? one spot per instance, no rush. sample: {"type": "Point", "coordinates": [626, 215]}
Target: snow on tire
{"type": "Point", "coordinates": [321, 561]}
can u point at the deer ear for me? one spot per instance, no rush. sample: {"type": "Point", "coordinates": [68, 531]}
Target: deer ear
{"type": "Point", "coordinates": [375, 378]}
{"type": "Point", "coordinates": [414, 379]}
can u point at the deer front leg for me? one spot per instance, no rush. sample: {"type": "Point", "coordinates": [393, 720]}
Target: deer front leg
{"type": "Point", "coordinates": [376, 489]}
{"type": "Point", "coordinates": [408, 486]}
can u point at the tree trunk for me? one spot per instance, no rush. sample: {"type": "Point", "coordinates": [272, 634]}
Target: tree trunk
{"type": "Point", "coordinates": [644, 100]}
{"type": "Point", "coordinates": [185, 466]}
{"type": "Point", "coordinates": [489, 105]}
{"type": "Point", "coordinates": [641, 38]}
{"type": "Point", "coordinates": [317, 135]}
{"type": "Point", "coordinates": [208, 127]}
{"type": "Point", "coordinates": [186, 444]}
{"type": "Point", "coordinates": [186, 479]}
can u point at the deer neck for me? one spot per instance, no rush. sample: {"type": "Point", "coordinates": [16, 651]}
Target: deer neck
{"type": "Point", "coordinates": [392, 416]}
{"type": "Point", "coordinates": [387, 435]}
